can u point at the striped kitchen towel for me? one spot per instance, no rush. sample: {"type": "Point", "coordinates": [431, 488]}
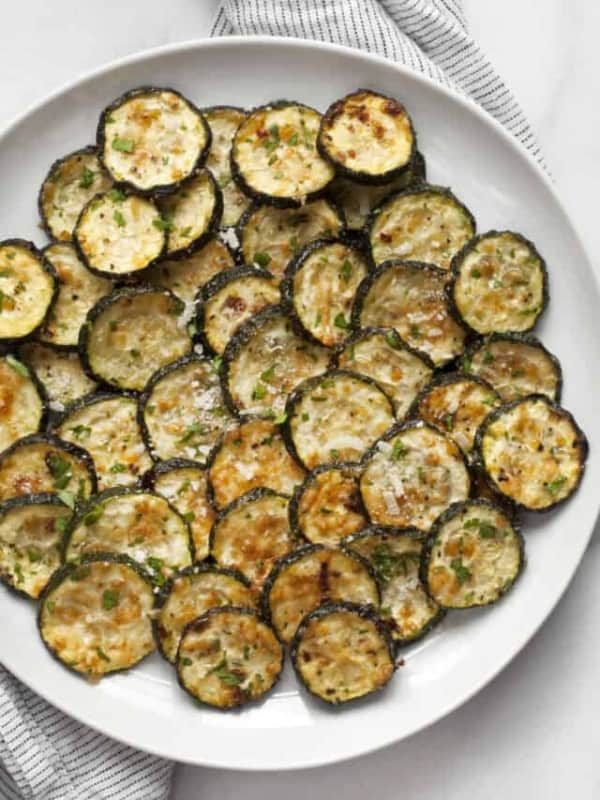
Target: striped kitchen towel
{"type": "Point", "coordinates": [431, 36]}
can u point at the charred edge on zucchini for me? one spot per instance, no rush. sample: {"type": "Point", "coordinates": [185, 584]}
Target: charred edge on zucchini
{"type": "Point", "coordinates": [60, 372]}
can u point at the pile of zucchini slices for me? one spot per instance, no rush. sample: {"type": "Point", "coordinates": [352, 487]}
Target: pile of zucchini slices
{"type": "Point", "coordinates": [266, 388]}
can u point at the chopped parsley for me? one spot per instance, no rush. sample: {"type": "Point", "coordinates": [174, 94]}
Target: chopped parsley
{"type": "Point", "coordinates": [341, 322]}
{"type": "Point", "coordinates": [346, 270]}
{"type": "Point", "coordinates": [119, 219]}
{"type": "Point", "coordinates": [262, 259]}
{"type": "Point", "coordinates": [118, 467]}
{"type": "Point", "coordinates": [195, 429]}
{"type": "Point", "coordinates": [259, 392]}
{"type": "Point", "coordinates": [123, 145]}
{"type": "Point", "coordinates": [18, 367]}
{"type": "Point", "coordinates": [398, 451]}
{"type": "Point", "coordinates": [459, 569]}
{"type": "Point", "coordinates": [60, 469]}
{"type": "Point", "coordinates": [93, 515]}
{"type": "Point", "coordinates": [116, 195]}
{"type": "Point", "coordinates": [110, 599]}
{"type": "Point", "coordinates": [87, 178]}
{"type": "Point", "coordinates": [68, 498]}
{"type": "Point", "coordinates": [81, 430]}
{"type": "Point", "coordinates": [554, 486]}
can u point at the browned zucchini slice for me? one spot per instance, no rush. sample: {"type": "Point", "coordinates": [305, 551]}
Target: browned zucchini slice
{"type": "Point", "coordinates": [223, 122]}
{"type": "Point", "coordinates": [28, 288]}
{"type": "Point", "coordinates": [59, 371]}
{"type": "Point", "coordinates": [22, 401]}
{"type": "Point", "coordinates": [192, 214]}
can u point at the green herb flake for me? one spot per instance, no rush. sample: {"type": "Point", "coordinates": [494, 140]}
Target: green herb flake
{"type": "Point", "coordinates": [110, 599]}
{"type": "Point", "coordinates": [398, 451]}
{"type": "Point", "coordinates": [50, 606]}
{"type": "Point", "coordinates": [189, 516]}
{"type": "Point", "coordinates": [60, 469]}
{"type": "Point", "coordinates": [93, 515]}
{"type": "Point", "coordinates": [102, 654]}
{"type": "Point", "coordinates": [195, 429]}
{"type": "Point", "coordinates": [459, 569]}
{"type": "Point", "coordinates": [33, 555]}
{"type": "Point", "coordinates": [476, 273]}
{"type": "Point", "coordinates": [346, 270]}
{"type": "Point", "coordinates": [262, 259]}
{"type": "Point", "coordinates": [61, 524]}
{"type": "Point", "coordinates": [268, 374]}
{"type": "Point", "coordinates": [392, 339]}
{"type": "Point", "coordinates": [118, 467]}
{"type": "Point", "coordinates": [293, 140]}
{"type": "Point", "coordinates": [123, 145]}
{"type": "Point", "coordinates": [68, 498]}
{"type": "Point", "coordinates": [19, 572]}
{"type": "Point", "coordinates": [335, 454]}
{"type": "Point", "coordinates": [185, 662]}
{"type": "Point", "coordinates": [555, 485]}
{"type": "Point", "coordinates": [305, 416]}
{"type": "Point", "coordinates": [87, 178]}
{"type": "Point", "coordinates": [224, 674]}
{"type": "Point", "coordinates": [18, 367]}
{"type": "Point", "coordinates": [116, 195]}
{"type": "Point", "coordinates": [119, 219]}
{"type": "Point", "coordinates": [163, 224]}
{"type": "Point", "coordinates": [449, 422]}
{"type": "Point", "coordinates": [259, 392]}
{"type": "Point", "coordinates": [341, 322]}
{"type": "Point", "coordinates": [281, 419]}
{"type": "Point", "coordinates": [81, 430]}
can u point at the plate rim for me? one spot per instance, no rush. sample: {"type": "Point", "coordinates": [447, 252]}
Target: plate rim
{"type": "Point", "coordinates": [470, 106]}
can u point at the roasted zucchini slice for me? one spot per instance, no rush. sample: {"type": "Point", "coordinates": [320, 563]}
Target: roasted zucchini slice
{"type": "Point", "coordinates": [182, 413]}
{"type": "Point", "coordinates": [59, 371]}
{"type": "Point", "coordinates": [229, 299]}
{"type": "Point", "coordinates": [457, 404]}
{"type": "Point", "coordinates": [274, 156]}
{"type": "Point", "coordinates": [118, 235]}
{"type": "Point", "coordinates": [472, 556]}
{"type": "Point", "coordinates": [106, 426]}
{"type": "Point", "coordinates": [183, 484]}
{"type": "Point", "coordinates": [395, 556]}
{"type": "Point", "coordinates": [320, 285]}
{"type": "Point", "coordinates": [192, 214]}
{"type": "Point", "coordinates": [413, 475]}
{"type": "Point", "coordinates": [131, 334]}
{"type": "Point", "coordinates": [247, 457]}
{"type": "Point", "coordinates": [327, 505]}
{"type": "Point", "coordinates": [516, 365]}
{"type": "Point", "coordinates": [342, 651]}
{"type": "Point", "coordinates": [223, 122]}
{"type": "Point", "coordinates": [43, 463]}
{"type": "Point", "coordinates": [311, 576]}
{"type": "Point", "coordinates": [31, 530]}
{"type": "Point", "coordinates": [367, 136]}
{"type": "Point", "coordinates": [136, 523]}
{"type": "Point", "coordinates": [270, 237]}
{"type": "Point", "coordinates": [265, 360]}
{"type": "Point", "coordinates": [410, 297]}
{"type": "Point", "coordinates": [252, 533]}
{"type": "Point", "coordinates": [186, 276]}
{"type": "Point", "coordinates": [481, 490]}
{"type": "Point", "coordinates": [336, 417]}
{"type": "Point", "coordinates": [228, 657]}
{"type": "Point", "coordinates": [22, 401]}
{"type": "Point", "coordinates": [28, 288]}
{"type": "Point", "coordinates": [423, 223]}
{"type": "Point", "coordinates": [533, 452]}
{"type": "Point", "coordinates": [151, 139]}
{"type": "Point", "coordinates": [78, 290]}
{"type": "Point", "coordinates": [499, 284]}
{"type": "Point", "coordinates": [96, 616]}
{"type": "Point", "coordinates": [70, 184]}
{"type": "Point", "coordinates": [357, 200]}
{"type": "Point", "coordinates": [191, 593]}
{"type": "Point", "coordinates": [380, 354]}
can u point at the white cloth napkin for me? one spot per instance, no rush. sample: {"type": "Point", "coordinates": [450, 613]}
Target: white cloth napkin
{"type": "Point", "coordinates": [46, 755]}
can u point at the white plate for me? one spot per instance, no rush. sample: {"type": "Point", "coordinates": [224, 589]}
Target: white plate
{"type": "Point", "coordinates": [465, 149]}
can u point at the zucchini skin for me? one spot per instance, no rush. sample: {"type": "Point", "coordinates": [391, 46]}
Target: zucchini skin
{"type": "Point", "coordinates": [211, 228]}
{"type": "Point", "coordinates": [65, 572]}
{"type": "Point", "coordinates": [361, 177]}
{"type": "Point", "coordinates": [147, 480]}
{"type": "Point", "coordinates": [464, 251]}
{"type": "Point", "coordinates": [431, 537]}
{"type": "Point", "coordinates": [363, 333]}
{"type": "Point", "coordinates": [581, 440]}
{"type": "Point", "coordinates": [47, 267]}
{"type": "Point", "coordinates": [42, 394]}
{"type": "Point", "coordinates": [101, 139]}
{"type": "Point", "coordinates": [262, 197]}
{"type": "Point", "coordinates": [364, 612]}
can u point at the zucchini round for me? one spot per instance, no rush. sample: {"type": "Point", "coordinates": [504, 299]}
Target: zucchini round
{"type": "Point", "coordinates": [327, 505]}
{"type": "Point", "coordinates": [43, 463]}
{"type": "Point", "coordinates": [151, 139]}
{"type": "Point", "coordinates": [413, 475]}
{"type": "Point", "coordinates": [137, 524]}
{"type": "Point", "coordinates": [70, 184]}
{"type": "Point", "coordinates": [106, 425]}
{"type": "Point", "coordinates": [320, 285]}
{"type": "Point", "coordinates": [186, 276]}
{"type": "Point", "coordinates": [410, 297]}
{"type": "Point", "coordinates": [252, 533]}
{"type": "Point", "coordinates": [456, 404]}
{"type": "Point", "coordinates": [248, 457]}
{"type": "Point", "coordinates": [499, 284]}
{"type": "Point", "coordinates": [192, 214]}
{"type": "Point", "coordinates": [264, 361]}
{"type": "Point", "coordinates": [59, 371]}
{"type": "Point", "coordinates": [118, 236]}
{"type": "Point", "coordinates": [78, 290]}
{"type": "Point", "coordinates": [22, 401]}
{"type": "Point", "coordinates": [395, 556]}
{"type": "Point", "coordinates": [342, 651]}
{"type": "Point", "coordinates": [516, 365]}
{"type": "Point", "coordinates": [274, 156]}
{"type": "Point", "coordinates": [311, 576]}
{"type": "Point", "coordinates": [132, 333]}
{"type": "Point", "coordinates": [96, 616]}
{"type": "Point", "coordinates": [223, 122]}
{"type": "Point", "coordinates": [380, 354]}
{"type": "Point", "coordinates": [532, 452]}
{"type": "Point", "coordinates": [31, 530]}
{"type": "Point", "coordinates": [229, 299]}
{"type": "Point", "coordinates": [181, 410]}
{"type": "Point", "coordinates": [228, 657]}
{"type": "Point", "coordinates": [28, 288]}
{"type": "Point", "coordinates": [270, 237]}
{"type": "Point", "coordinates": [191, 593]}
{"type": "Point", "coordinates": [422, 223]}
{"type": "Point", "coordinates": [367, 136]}
{"type": "Point", "coordinates": [336, 417]}
{"type": "Point", "coordinates": [183, 484]}
{"type": "Point", "coordinates": [472, 556]}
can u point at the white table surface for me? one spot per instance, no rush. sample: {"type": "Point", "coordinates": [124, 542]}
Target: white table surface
{"type": "Point", "coordinates": [533, 731]}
